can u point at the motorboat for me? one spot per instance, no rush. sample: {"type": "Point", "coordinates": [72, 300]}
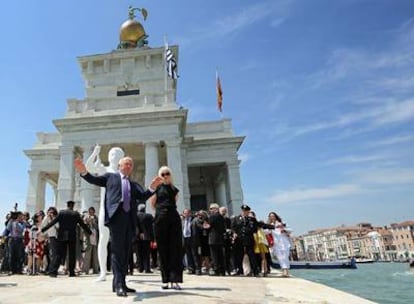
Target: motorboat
{"type": "Point", "coordinates": [342, 264]}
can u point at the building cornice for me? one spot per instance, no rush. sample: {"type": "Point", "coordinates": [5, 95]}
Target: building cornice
{"type": "Point", "coordinates": [122, 120]}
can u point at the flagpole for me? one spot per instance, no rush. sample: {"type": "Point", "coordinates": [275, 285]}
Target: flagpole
{"type": "Point", "coordinates": [165, 70]}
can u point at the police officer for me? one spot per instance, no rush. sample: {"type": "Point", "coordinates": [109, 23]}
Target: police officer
{"type": "Point", "coordinates": [243, 227]}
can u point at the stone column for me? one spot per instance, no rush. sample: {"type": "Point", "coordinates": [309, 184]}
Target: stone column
{"type": "Point", "coordinates": [41, 193]}
{"type": "Point", "coordinates": [66, 174]}
{"type": "Point", "coordinates": [87, 191]}
{"type": "Point", "coordinates": [151, 161]}
{"type": "Point", "coordinates": [185, 191]}
{"type": "Point", "coordinates": [175, 163]}
{"type": "Point", "coordinates": [35, 200]}
{"type": "Point", "coordinates": [234, 185]}
{"type": "Point", "coordinates": [220, 190]}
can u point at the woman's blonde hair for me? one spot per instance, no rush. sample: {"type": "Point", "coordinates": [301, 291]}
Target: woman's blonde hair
{"type": "Point", "coordinates": [165, 169]}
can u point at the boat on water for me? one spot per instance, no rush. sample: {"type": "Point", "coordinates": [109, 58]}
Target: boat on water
{"type": "Point", "coordinates": [412, 264]}
{"type": "Point", "coordinates": [364, 261]}
{"type": "Point", "coordinates": [346, 264]}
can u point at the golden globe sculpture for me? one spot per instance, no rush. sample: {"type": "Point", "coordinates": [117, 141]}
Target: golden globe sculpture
{"type": "Point", "coordinates": [132, 33]}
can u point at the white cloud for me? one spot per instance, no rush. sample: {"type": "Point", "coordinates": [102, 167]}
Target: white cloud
{"type": "Point", "coordinates": [354, 159]}
{"type": "Point", "coordinates": [368, 118]}
{"type": "Point", "coordinates": [361, 182]}
{"type": "Point", "coordinates": [395, 113]}
{"type": "Point", "coordinates": [390, 176]}
{"type": "Point", "coordinates": [393, 140]}
{"type": "Point", "coordinates": [240, 20]}
{"type": "Point", "coordinates": [244, 157]}
{"type": "Point", "coordinates": [277, 22]}
{"type": "Point", "coordinates": [314, 194]}
{"type": "Point", "coordinates": [377, 97]}
{"type": "Point", "coordinates": [401, 84]}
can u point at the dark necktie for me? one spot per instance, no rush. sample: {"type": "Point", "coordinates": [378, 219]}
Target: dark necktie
{"type": "Point", "coordinates": [126, 194]}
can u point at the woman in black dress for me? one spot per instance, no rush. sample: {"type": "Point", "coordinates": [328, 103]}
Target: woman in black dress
{"type": "Point", "coordinates": [168, 231]}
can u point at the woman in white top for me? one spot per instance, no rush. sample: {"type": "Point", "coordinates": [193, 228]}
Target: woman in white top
{"type": "Point", "coordinates": [281, 245]}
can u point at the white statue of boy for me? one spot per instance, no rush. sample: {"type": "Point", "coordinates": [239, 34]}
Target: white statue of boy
{"type": "Point", "coordinates": [94, 166]}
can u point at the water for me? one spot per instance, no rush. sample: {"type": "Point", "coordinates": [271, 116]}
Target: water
{"type": "Point", "coordinates": [385, 283]}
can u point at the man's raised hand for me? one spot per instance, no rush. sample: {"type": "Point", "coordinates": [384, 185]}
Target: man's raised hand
{"type": "Point", "coordinates": [156, 182]}
{"type": "Point", "coordinates": [80, 166]}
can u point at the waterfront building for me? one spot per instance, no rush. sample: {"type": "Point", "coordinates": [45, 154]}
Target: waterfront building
{"type": "Point", "coordinates": [362, 240]}
{"type": "Point", "coordinates": [299, 245]}
{"type": "Point", "coordinates": [131, 103]}
{"type": "Point", "coordinates": [325, 245]}
{"type": "Point", "coordinates": [403, 239]}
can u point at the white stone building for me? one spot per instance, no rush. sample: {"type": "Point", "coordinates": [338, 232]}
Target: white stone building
{"type": "Point", "coordinates": [131, 103]}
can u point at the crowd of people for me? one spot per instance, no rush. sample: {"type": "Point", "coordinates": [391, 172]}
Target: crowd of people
{"type": "Point", "coordinates": [212, 243]}
{"type": "Point", "coordinates": [203, 242]}
{"type": "Point", "coordinates": [31, 245]}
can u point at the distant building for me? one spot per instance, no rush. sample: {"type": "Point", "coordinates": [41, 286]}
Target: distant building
{"type": "Point", "coordinates": [362, 241]}
{"type": "Point", "coordinates": [403, 239]}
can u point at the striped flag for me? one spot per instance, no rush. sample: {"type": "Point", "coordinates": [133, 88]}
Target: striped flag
{"type": "Point", "coordinates": [219, 94]}
{"type": "Point", "coordinates": [170, 62]}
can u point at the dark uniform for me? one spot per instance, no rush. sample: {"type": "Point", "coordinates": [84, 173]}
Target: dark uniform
{"type": "Point", "coordinates": [244, 227]}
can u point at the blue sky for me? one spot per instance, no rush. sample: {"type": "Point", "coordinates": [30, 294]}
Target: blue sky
{"type": "Point", "coordinates": [323, 91]}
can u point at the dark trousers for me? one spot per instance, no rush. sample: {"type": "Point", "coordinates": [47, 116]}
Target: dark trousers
{"type": "Point", "coordinates": [228, 253]}
{"type": "Point", "coordinates": [121, 230]}
{"type": "Point", "coordinates": [154, 257]}
{"type": "Point", "coordinates": [168, 235]}
{"type": "Point", "coordinates": [144, 256]}
{"type": "Point", "coordinates": [188, 253]}
{"type": "Point", "coordinates": [61, 248]}
{"type": "Point", "coordinates": [239, 251]}
{"type": "Point", "coordinates": [196, 252]}
{"type": "Point", "coordinates": [52, 253]}
{"type": "Point", "coordinates": [217, 255]}
{"type": "Point", "coordinates": [15, 254]}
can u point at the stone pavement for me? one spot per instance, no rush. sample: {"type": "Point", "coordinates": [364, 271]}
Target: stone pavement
{"type": "Point", "coordinates": [196, 289]}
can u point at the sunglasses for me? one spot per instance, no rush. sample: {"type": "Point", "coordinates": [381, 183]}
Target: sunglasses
{"type": "Point", "coordinates": [165, 174]}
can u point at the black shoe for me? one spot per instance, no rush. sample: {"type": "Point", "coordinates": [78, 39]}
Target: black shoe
{"type": "Point", "coordinates": [165, 286]}
{"type": "Point", "coordinates": [120, 292]}
{"type": "Point", "coordinates": [127, 289]}
{"type": "Point", "coordinates": [53, 274]}
{"type": "Point", "coordinates": [72, 274]}
{"type": "Point", "coordinates": [198, 272]}
{"type": "Point", "coordinates": [148, 271]}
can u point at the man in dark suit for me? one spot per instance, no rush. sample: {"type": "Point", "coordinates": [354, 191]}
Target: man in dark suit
{"type": "Point", "coordinates": [186, 224]}
{"type": "Point", "coordinates": [121, 199]}
{"type": "Point", "coordinates": [146, 235]}
{"type": "Point", "coordinates": [68, 220]}
{"type": "Point", "coordinates": [217, 228]}
{"type": "Point", "coordinates": [228, 240]}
